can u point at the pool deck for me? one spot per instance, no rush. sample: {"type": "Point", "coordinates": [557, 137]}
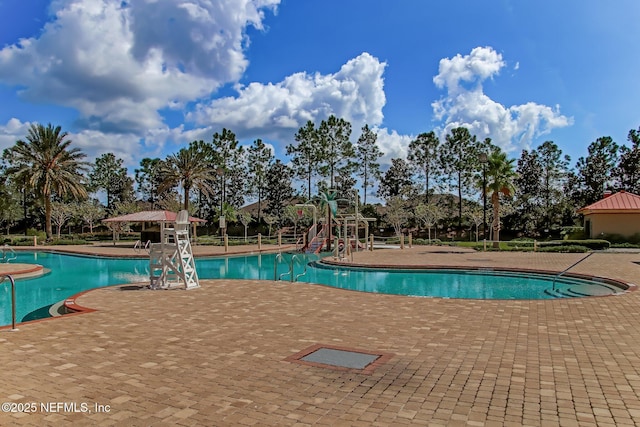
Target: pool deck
{"type": "Point", "coordinates": [221, 354]}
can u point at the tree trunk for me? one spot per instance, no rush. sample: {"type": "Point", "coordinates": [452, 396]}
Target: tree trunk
{"type": "Point", "coordinates": [309, 180]}
{"type": "Point", "coordinates": [47, 216]}
{"type": "Point", "coordinates": [495, 201]}
{"type": "Point", "coordinates": [426, 179]}
{"type": "Point", "coordinates": [364, 184]}
{"type": "Point", "coordinates": [459, 200]}
{"type": "Point", "coordinates": [186, 197]}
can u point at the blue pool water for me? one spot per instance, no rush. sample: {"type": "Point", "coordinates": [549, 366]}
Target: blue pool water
{"type": "Point", "coordinates": [72, 274]}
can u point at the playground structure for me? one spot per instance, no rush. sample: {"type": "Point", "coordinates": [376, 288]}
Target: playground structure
{"type": "Point", "coordinates": [320, 235]}
{"type": "Point", "coordinates": [171, 262]}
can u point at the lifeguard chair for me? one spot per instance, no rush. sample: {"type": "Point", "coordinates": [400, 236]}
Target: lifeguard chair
{"type": "Point", "coordinates": [171, 262]}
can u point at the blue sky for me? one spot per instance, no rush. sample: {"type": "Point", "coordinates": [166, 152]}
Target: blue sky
{"type": "Point", "coordinates": [144, 78]}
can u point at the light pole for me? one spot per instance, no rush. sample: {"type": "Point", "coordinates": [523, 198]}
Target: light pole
{"type": "Point", "coordinates": [357, 235]}
{"type": "Point", "coordinates": [222, 223]}
{"type": "Point", "coordinates": [484, 160]}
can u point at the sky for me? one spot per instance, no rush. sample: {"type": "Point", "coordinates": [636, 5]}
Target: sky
{"type": "Point", "coordinates": [143, 78]}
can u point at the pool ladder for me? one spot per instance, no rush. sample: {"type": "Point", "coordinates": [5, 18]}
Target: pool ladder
{"type": "Point", "coordinates": [8, 254]}
{"type": "Point", "coordinates": [3, 277]}
{"type": "Point", "coordinates": [278, 259]}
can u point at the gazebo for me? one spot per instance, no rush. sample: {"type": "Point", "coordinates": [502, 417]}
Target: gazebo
{"type": "Point", "coordinates": [161, 217]}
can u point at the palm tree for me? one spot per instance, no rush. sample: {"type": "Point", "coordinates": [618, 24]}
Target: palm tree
{"type": "Point", "coordinates": [46, 165]}
{"type": "Point", "coordinates": [500, 178]}
{"type": "Point", "coordinates": [189, 168]}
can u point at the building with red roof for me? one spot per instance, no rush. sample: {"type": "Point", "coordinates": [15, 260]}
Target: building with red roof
{"type": "Point", "coordinates": [617, 213]}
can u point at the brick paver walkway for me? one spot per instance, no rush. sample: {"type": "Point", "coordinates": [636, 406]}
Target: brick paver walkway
{"type": "Point", "coordinates": [216, 355]}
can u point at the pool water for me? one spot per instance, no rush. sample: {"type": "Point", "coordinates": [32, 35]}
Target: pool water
{"type": "Point", "coordinates": [457, 283]}
{"type": "Point", "coordinates": [71, 274]}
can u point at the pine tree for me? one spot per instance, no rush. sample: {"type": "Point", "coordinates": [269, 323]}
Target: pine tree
{"type": "Point", "coordinates": [627, 173]}
{"type": "Point", "coordinates": [305, 155]}
{"type": "Point", "coordinates": [367, 155]}
{"type": "Point", "coordinates": [259, 159]}
{"type": "Point", "coordinates": [336, 150]}
{"type": "Point", "coordinates": [459, 159]}
{"type": "Point", "coordinates": [423, 155]}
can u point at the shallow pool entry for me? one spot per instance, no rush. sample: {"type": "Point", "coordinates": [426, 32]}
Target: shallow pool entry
{"type": "Point", "coordinates": [461, 283]}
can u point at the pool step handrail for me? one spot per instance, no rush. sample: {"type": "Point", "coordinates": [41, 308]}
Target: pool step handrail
{"type": "Point", "coordinates": [13, 299]}
{"type": "Point", "coordinates": [557, 276]}
{"type": "Point", "coordinates": [291, 267]}
{"type": "Point", "coordinates": [298, 276]}
{"type": "Point", "coordinates": [276, 260]}
{"type": "Point", "coordinates": [139, 246]}
{"type": "Point", "coordinates": [5, 258]}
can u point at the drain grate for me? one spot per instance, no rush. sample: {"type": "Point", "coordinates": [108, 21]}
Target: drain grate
{"type": "Point", "coordinates": [340, 358]}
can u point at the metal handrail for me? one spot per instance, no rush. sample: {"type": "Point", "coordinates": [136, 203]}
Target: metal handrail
{"type": "Point", "coordinates": [139, 246]}
{"type": "Point", "coordinates": [277, 258]}
{"type": "Point", "coordinates": [13, 299]}
{"type": "Point", "coordinates": [290, 272]}
{"type": "Point", "coordinates": [301, 274]}
{"type": "Point", "coordinates": [8, 248]}
{"type": "Point", "coordinates": [569, 268]}
{"type": "Point", "coordinates": [294, 257]}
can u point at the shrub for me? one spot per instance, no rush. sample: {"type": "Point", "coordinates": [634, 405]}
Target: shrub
{"type": "Point", "coordinates": [572, 233]}
{"type": "Point", "coordinates": [33, 232]}
{"type": "Point", "coordinates": [437, 242]}
{"type": "Point", "coordinates": [565, 248]}
{"type": "Point", "coordinates": [593, 244]}
{"type": "Point", "coordinates": [625, 245]}
{"type": "Point", "coordinates": [522, 242]}
{"type": "Point", "coordinates": [63, 242]}
{"type": "Point", "coordinates": [25, 241]}
{"type": "Point", "coordinates": [618, 238]}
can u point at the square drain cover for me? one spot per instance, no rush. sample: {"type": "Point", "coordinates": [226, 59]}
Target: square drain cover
{"type": "Point", "coordinates": [340, 358]}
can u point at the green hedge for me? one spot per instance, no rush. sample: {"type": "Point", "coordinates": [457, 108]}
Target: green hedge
{"type": "Point", "coordinates": [526, 245]}
{"type": "Point", "coordinates": [63, 242]}
{"type": "Point", "coordinates": [565, 248]}
{"type": "Point", "coordinates": [437, 242]}
{"type": "Point", "coordinates": [625, 245]}
{"type": "Point", "coordinates": [593, 244]}
{"type": "Point", "coordinates": [521, 243]}
{"type": "Point", "coordinates": [24, 242]}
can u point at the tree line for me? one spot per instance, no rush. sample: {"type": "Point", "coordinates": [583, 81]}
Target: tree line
{"type": "Point", "coordinates": [45, 181]}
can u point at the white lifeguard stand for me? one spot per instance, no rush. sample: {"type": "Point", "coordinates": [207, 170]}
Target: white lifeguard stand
{"type": "Point", "coordinates": [171, 262]}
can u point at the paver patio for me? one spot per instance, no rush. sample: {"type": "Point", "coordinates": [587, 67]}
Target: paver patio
{"type": "Point", "coordinates": [216, 355]}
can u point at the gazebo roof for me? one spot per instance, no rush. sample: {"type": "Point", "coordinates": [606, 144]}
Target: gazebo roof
{"type": "Point", "coordinates": [620, 202]}
{"type": "Point", "coordinates": [150, 216]}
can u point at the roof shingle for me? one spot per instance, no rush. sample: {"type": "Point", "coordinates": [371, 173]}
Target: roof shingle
{"type": "Point", "coordinates": [621, 201]}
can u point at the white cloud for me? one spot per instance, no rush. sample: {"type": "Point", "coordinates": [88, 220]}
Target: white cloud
{"type": "Point", "coordinates": [479, 65]}
{"type": "Point", "coordinates": [392, 145]}
{"type": "Point", "coordinates": [119, 62]}
{"type": "Point", "coordinates": [354, 93]}
{"type": "Point", "coordinates": [11, 132]}
{"type": "Point", "coordinates": [465, 103]}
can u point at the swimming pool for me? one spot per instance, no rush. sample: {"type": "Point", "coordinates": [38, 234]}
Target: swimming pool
{"type": "Point", "coordinates": [459, 283]}
{"type": "Point", "coordinates": [71, 274]}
